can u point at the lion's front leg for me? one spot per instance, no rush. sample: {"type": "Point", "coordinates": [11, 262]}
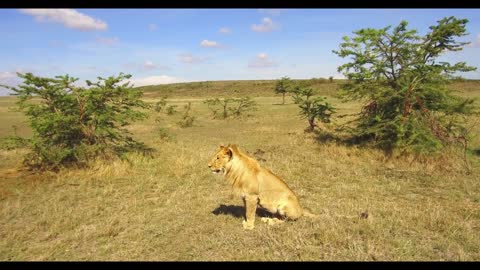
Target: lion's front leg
{"type": "Point", "coordinates": [250, 210]}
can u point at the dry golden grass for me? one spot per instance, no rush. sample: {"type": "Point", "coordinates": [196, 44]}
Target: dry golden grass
{"type": "Point", "coordinates": [171, 207]}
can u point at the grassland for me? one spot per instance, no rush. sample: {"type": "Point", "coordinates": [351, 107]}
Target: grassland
{"type": "Point", "coordinates": [171, 207]}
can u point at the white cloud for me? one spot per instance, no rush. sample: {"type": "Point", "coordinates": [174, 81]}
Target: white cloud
{"type": "Point", "coordinates": [10, 78]}
{"type": "Point", "coordinates": [107, 41]}
{"type": "Point", "coordinates": [270, 11]}
{"type": "Point", "coordinates": [146, 65]}
{"type": "Point", "coordinates": [152, 27]}
{"type": "Point", "coordinates": [188, 58]}
{"type": "Point", "coordinates": [6, 77]}
{"type": "Point", "coordinates": [154, 80]}
{"type": "Point", "coordinates": [68, 17]}
{"type": "Point", "coordinates": [261, 61]}
{"type": "Point", "coordinates": [475, 43]}
{"type": "Point", "coordinates": [267, 25]}
{"type": "Point", "coordinates": [81, 83]}
{"type": "Point", "coordinates": [209, 44]}
{"type": "Point", "coordinates": [225, 30]}
{"type": "Point", "coordinates": [149, 65]}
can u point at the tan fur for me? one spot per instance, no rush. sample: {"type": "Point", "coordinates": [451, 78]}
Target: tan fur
{"type": "Point", "coordinates": [256, 185]}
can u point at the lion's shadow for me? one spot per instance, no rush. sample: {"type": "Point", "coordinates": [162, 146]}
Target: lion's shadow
{"type": "Point", "coordinates": [239, 211]}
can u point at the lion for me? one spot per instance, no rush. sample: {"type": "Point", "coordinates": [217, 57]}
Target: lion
{"type": "Point", "coordinates": [257, 186]}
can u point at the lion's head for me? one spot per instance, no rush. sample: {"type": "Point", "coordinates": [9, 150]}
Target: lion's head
{"type": "Point", "coordinates": [221, 158]}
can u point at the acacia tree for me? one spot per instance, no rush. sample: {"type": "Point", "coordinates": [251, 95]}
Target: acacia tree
{"type": "Point", "coordinates": [73, 124]}
{"type": "Point", "coordinates": [187, 119]}
{"type": "Point", "coordinates": [235, 107]}
{"type": "Point", "coordinates": [404, 85]}
{"type": "Point", "coordinates": [215, 105]}
{"type": "Point", "coordinates": [312, 108]}
{"type": "Point", "coordinates": [282, 87]}
{"type": "Point", "coordinates": [243, 106]}
{"type": "Point", "coordinates": [161, 104]}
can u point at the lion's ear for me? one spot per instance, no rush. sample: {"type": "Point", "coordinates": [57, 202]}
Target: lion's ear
{"type": "Point", "coordinates": [229, 153]}
{"type": "Point", "coordinates": [221, 146]}
{"type": "Point", "coordinates": [233, 147]}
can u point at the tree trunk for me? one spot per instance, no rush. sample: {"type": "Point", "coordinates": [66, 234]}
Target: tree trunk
{"type": "Point", "coordinates": [311, 122]}
{"type": "Point", "coordinates": [225, 115]}
{"type": "Point", "coordinates": [283, 98]}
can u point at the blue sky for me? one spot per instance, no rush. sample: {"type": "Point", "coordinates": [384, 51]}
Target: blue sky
{"type": "Point", "coordinates": [173, 45]}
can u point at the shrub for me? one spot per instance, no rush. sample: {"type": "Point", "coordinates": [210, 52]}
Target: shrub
{"type": "Point", "coordinates": [14, 141]}
{"type": "Point", "coordinates": [72, 124]}
{"type": "Point", "coordinates": [283, 86]}
{"type": "Point", "coordinates": [187, 119]}
{"type": "Point", "coordinates": [231, 107]}
{"type": "Point", "coordinates": [171, 109]}
{"type": "Point", "coordinates": [312, 108]}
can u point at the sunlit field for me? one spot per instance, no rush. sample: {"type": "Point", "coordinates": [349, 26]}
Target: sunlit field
{"type": "Point", "coordinates": [169, 206]}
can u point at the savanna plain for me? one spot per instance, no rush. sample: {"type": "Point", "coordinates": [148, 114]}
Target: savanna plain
{"type": "Point", "coordinates": [168, 206]}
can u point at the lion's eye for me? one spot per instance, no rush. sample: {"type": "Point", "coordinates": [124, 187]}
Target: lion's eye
{"type": "Point", "coordinates": [218, 157]}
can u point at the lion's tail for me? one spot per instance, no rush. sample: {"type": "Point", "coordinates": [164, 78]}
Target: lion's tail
{"type": "Point", "coordinates": [308, 214]}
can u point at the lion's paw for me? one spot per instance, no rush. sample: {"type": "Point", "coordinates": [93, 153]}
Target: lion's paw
{"type": "Point", "coordinates": [271, 221]}
{"type": "Point", "coordinates": [247, 225]}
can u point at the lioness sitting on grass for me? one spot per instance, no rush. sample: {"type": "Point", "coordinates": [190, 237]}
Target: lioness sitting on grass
{"type": "Point", "coordinates": [256, 185]}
